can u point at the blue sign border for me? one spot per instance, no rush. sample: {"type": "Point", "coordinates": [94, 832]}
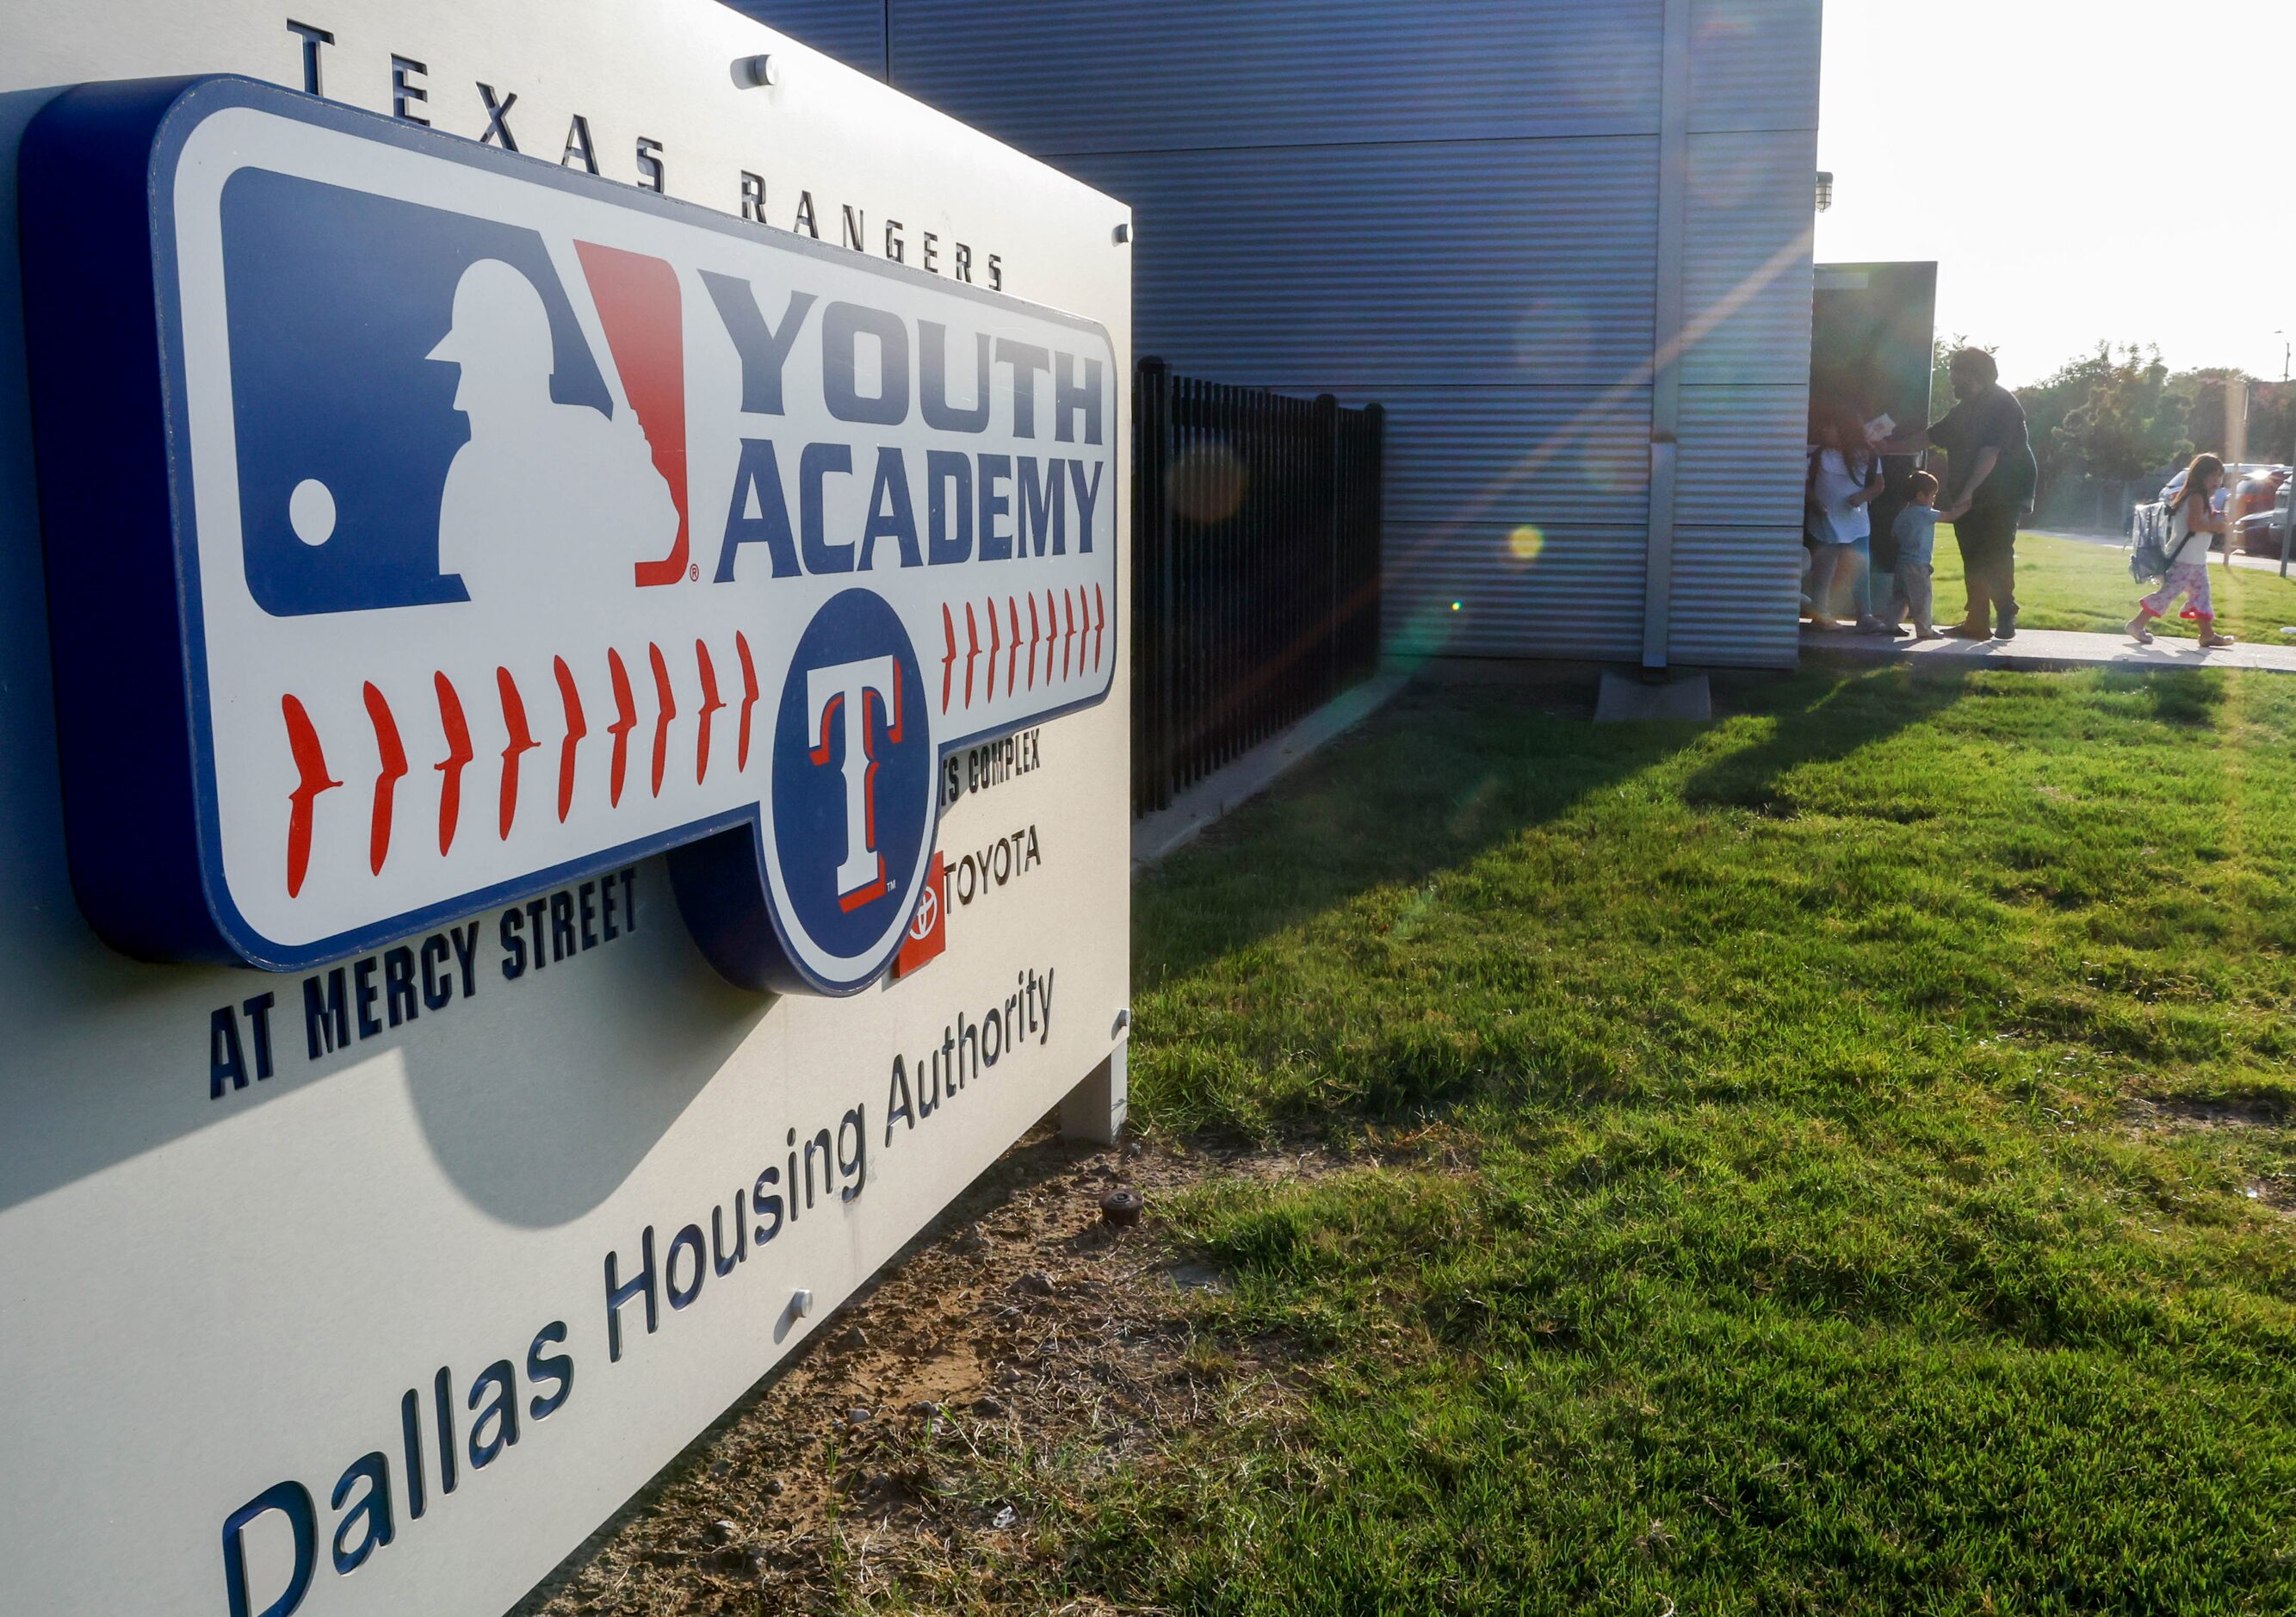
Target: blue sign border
{"type": "Point", "coordinates": [104, 354]}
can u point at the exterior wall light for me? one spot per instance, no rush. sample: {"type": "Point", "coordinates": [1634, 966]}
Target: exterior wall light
{"type": "Point", "coordinates": [1825, 189]}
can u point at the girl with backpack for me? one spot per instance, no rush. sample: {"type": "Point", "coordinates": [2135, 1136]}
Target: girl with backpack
{"type": "Point", "coordinates": [2192, 518]}
{"type": "Point", "coordinates": [1845, 477]}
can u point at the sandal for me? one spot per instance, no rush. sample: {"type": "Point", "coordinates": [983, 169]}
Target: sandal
{"type": "Point", "coordinates": [2139, 631]}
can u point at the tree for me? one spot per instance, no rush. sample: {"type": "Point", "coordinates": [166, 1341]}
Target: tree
{"type": "Point", "coordinates": [2127, 424]}
{"type": "Point", "coordinates": [2048, 405]}
{"type": "Point", "coordinates": [2271, 421]}
{"type": "Point", "coordinates": [2204, 419]}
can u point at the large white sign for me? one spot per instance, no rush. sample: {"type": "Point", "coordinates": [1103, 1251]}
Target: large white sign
{"type": "Point", "coordinates": [535, 531]}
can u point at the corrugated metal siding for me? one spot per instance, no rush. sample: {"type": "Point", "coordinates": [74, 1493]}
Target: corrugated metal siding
{"type": "Point", "coordinates": [1747, 278]}
{"type": "Point", "coordinates": [1742, 464]}
{"type": "Point", "coordinates": [1754, 64]}
{"type": "Point", "coordinates": [1369, 266]}
{"type": "Point", "coordinates": [1734, 595]}
{"type": "Point", "coordinates": [1495, 298]}
{"type": "Point", "coordinates": [1737, 543]}
{"type": "Point", "coordinates": [1737, 551]}
{"type": "Point", "coordinates": [851, 30]}
{"type": "Point", "coordinates": [1753, 155]}
{"type": "Point", "coordinates": [1060, 77]}
{"type": "Point", "coordinates": [1547, 456]}
{"type": "Point", "coordinates": [1581, 596]}
{"type": "Point", "coordinates": [1366, 268]}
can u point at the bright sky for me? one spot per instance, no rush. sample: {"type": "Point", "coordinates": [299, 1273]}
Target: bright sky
{"type": "Point", "coordinates": [2031, 147]}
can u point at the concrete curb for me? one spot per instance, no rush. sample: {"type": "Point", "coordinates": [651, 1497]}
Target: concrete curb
{"type": "Point", "coordinates": [2044, 648]}
{"type": "Point", "coordinates": [1158, 836]}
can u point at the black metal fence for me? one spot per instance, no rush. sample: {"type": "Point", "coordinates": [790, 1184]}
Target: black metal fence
{"type": "Point", "coordinates": [1255, 568]}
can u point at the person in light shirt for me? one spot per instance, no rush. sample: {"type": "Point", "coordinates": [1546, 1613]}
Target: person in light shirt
{"type": "Point", "coordinates": [1845, 478]}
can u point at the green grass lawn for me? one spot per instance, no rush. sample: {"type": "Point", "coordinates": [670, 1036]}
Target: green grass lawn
{"type": "Point", "coordinates": [1832, 1161]}
{"type": "Point", "coordinates": [2064, 583]}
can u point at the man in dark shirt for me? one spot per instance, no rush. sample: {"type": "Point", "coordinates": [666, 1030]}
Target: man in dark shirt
{"type": "Point", "coordinates": [1990, 479]}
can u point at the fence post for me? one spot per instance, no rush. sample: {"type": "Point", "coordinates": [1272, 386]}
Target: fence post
{"type": "Point", "coordinates": [1374, 582]}
{"type": "Point", "coordinates": [1152, 531]}
{"type": "Point", "coordinates": [1327, 442]}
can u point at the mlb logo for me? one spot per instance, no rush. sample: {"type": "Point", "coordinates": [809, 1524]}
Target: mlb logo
{"type": "Point", "coordinates": [457, 436]}
{"type": "Point", "coordinates": [927, 933]}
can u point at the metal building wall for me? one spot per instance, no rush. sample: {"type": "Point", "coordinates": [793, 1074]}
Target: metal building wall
{"type": "Point", "coordinates": [1450, 206]}
{"type": "Point", "coordinates": [1745, 403]}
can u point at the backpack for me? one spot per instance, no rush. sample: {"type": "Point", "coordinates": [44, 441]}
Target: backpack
{"type": "Point", "coordinates": [2154, 539]}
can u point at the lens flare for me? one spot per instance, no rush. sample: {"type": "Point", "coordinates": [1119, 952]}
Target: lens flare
{"type": "Point", "coordinates": [1207, 482]}
{"type": "Point", "coordinates": [1526, 542]}
{"type": "Point", "coordinates": [1426, 631]}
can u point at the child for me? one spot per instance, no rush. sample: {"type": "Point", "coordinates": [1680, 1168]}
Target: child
{"type": "Point", "coordinates": [1845, 477]}
{"type": "Point", "coordinates": [2190, 523]}
{"type": "Point", "coordinates": [1915, 532]}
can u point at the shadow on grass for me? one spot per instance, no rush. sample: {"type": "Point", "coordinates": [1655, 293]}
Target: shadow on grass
{"type": "Point", "coordinates": [1447, 772]}
{"type": "Point", "coordinates": [1822, 716]}
{"type": "Point", "coordinates": [2173, 696]}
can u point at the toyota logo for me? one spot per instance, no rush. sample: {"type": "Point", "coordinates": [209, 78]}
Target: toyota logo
{"type": "Point", "coordinates": [928, 913]}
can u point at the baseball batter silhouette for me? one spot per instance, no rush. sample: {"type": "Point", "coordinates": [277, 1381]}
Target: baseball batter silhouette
{"type": "Point", "coordinates": [546, 499]}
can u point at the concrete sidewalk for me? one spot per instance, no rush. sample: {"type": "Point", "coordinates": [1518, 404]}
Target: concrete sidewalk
{"type": "Point", "coordinates": [2048, 648]}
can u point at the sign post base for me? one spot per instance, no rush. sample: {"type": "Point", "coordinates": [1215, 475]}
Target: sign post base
{"type": "Point", "coordinates": [1094, 1108]}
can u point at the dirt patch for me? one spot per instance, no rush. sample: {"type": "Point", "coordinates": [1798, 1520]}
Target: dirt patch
{"type": "Point", "coordinates": [2162, 1112]}
{"type": "Point", "coordinates": [2274, 1191]}
{"type": "Point", "coordinates": [1021, 1348]}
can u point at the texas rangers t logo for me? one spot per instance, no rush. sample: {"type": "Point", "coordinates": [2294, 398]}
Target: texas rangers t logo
{"type": "Point", "coordinates": [858, 692]}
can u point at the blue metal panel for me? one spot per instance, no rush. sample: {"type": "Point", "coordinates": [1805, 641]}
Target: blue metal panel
{"type": "Point", "coordinates": [1060, 77]}
{"type": "Point", "coordinates": [1737, 549]}
{"type": "Point", "coordinates": [1372, 267]}
{"type": "Point", "coordinates": [1512, 502]}
{"type": "Point", "coordinates": [1747, 281]}
{"type": "Point", "coordinates": [1734, 596]}
{"type": "Point", "coordinates": [1454, 592]}
{"type": "Point", "coordinates": [1754, 64]}
{"type": "Point", "coordinates": [1546, 457]}
{"type": "Point", "coordinates": [1495, 296]}
{"type": "Point", "coordinates": [851, 30]}
{"type": "Point", "coordinates": [1743, 464]}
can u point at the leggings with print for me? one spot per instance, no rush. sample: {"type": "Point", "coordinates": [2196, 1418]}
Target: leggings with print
{"type": "Point", "coordinates": [2189, 578]}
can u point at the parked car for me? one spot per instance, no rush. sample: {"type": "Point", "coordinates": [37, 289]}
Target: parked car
{"type": "Point", "coordinates": [2258, 530]}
